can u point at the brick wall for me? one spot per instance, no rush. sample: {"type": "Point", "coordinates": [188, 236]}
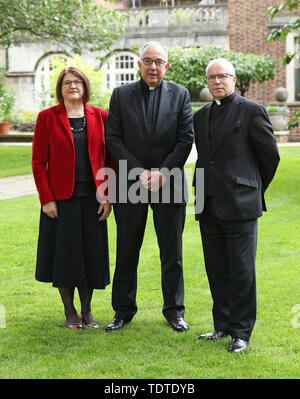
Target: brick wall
{"type": "Point", "coordinates": [247, 33]}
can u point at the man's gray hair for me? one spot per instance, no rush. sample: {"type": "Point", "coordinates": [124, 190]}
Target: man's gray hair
{"type": "Point", "coordinates": [222, 61]}
{"type": "Point", "coordinates": [153, 43]}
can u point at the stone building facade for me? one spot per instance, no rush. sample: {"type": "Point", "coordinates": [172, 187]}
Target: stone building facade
{"type": "Point", "coordinates": [238, 25]}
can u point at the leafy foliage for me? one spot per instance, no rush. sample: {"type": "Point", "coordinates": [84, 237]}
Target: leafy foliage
{"type": "Point", "coordinates": [188, 67]}
{"type": "Point", "coordinates": [294, 122]}
{"type": "Point", "coordinates": [277, 108]}
{"type": "Point", "coordinates": [7, 100]}
{"type": "Point", "coordinates": [78, 24]}
{"type": "Point", "coordinates": [281, 32]}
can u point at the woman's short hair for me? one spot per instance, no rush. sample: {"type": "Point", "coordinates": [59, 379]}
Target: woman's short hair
{"type": "Point", "coordinates": [80, 75]}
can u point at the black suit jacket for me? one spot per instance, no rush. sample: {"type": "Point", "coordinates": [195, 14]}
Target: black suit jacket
{"type": "Point", "coordinates": [241, 162]}
{"type": "Point", "coordinates": [128, 137]}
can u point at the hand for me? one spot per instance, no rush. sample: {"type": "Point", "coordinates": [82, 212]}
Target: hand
{"type": "Point", "coordinates": [144, 178]}
{"type": "Point", "coordinates": [104, 210]}
{"type": "Point", "coordinates": [156, 181]}
{"type": "Point", "coordinates": [50, 208]}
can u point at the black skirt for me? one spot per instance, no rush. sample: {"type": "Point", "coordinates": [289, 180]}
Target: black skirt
{"type": "Point", "coordinates": [73, 249]}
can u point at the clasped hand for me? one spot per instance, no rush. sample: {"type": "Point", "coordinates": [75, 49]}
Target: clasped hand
{"type": "Point", "coordinates": [152, 180]}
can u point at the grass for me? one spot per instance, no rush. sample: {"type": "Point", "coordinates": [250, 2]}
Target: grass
{"type": "Point", "coordinates": [15, 160]}
{"type": "Point", "coordinates": [35, 344]}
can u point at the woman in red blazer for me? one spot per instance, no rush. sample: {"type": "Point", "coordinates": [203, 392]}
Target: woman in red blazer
{"type": "Point", "coordinates": [68, 151]}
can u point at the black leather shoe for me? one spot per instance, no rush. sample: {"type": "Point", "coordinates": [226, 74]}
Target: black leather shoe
{"type": "Point", "coordinates": [213, 336]}
{"type": "Point", "coordinates": [179, 324]}
{"type": "Point", "coordinates": [116, 324]}
{"type": "Point", "coordinates": [238, 345]}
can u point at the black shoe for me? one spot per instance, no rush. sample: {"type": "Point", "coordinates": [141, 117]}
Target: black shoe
{"type": "Point", "coordinates": [238, 345]}
{"type": "Point", "coordinates": [179, 324]}
{"type": "Point", "coordinates": [116, 324]}
{"type": "Point", "coordinates": [213, 336]}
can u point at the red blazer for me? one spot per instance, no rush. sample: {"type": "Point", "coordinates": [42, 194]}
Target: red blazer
{"type": "Point", "coordinates": [53, 151]}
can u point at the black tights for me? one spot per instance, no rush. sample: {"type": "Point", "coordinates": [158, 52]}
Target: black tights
{"type": "Point", "coordinates": [85, 295]}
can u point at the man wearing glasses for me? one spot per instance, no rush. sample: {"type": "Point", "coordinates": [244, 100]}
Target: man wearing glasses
{"type": "Point", "coordinates": [149, 126]}
{"type": "Point", "coordinates": [237, 149]}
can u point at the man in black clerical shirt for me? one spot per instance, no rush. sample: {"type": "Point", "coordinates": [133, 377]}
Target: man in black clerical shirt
{"type": "Point", "coordinates": [150, 128]}
{"type": "Point", "coordinates": [217, 115]}
{"type": "Point", "coordinates": [237, 149]}
{"type": "Point", "coordinates": [151, 102]}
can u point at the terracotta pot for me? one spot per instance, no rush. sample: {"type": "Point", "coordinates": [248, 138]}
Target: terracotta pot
{"type": "Point", "coordinates": [4, 127]}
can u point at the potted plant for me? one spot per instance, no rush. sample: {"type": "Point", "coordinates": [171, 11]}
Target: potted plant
{"type": "Point", "coordinates": [7, 100]}
{"type": "Point", "coordinates": [278, 116]}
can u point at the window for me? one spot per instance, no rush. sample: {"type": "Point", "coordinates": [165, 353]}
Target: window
{"type": "Point", "coordinates": [43, 97]}
{"type": "Point", "coordinates": [121, 69]}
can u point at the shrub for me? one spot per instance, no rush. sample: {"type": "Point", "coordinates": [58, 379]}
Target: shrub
{"type": "Point", "coordinates": [7, 100]}
{"type": "Point", "coordinates": [188, 66]}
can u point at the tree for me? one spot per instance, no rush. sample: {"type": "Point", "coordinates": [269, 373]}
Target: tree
{"type": "Point", "coordinates": [281, 33]}
{"type": "Point", "coordinates": [7, 99]}
{"type": "Point", "coordinates": [188, 67]}
{"type": "Point", "coordinates": [251, 68]}
{"type": "Point", "coordinates": [78, 24]}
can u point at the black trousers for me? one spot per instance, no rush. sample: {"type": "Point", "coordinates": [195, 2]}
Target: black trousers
{"type": "Point", "coordinates": [131, 222]}
{"type": "Point", "coordinates": [229, 250]}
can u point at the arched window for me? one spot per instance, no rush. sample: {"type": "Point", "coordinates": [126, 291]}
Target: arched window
{"type": "Point", "coordinates": [43, 97]}
{"type": "Point", "coordinates": [121, 69]}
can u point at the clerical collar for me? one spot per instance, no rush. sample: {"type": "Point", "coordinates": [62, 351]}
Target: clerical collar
{"type": "Point", "coordinates": [225, 100]}
{"type": "Point", "coordinates": [147, 87]}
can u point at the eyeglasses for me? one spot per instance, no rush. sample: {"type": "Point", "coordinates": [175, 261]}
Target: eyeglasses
{"type": "Point", "coordinates": [148, 62]}
{"type": "Point", "coordinates": [221, 77]}
{"type": "Point", "coordinates": [68, 83]}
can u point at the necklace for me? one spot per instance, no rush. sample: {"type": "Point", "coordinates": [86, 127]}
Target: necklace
{"type": "Point", "coordinates": [81, 129]}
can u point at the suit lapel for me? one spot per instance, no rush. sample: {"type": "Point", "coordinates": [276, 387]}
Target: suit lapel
{"type": "Point", "coordinates": [138, 105]}
{"type": "Point", "coordinates": [63, 117]}
{"type": "Point", "coordinates": [165, 103]}
{"type": "Point", "coordinates": [205, 126]}
{"type": "Point", "coordinates": [90, 121]}
{"type": "Point", "coordinates": [230, 117]}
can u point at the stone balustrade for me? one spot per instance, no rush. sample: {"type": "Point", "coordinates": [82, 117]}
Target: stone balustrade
{"type": "Point", "coordinates": [176, 16]}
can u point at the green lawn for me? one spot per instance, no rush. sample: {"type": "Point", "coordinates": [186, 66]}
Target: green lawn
{"type": "Point", "coordinates": [15, 160]}
{"type": "Point", "coordinates": [36, 345]}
